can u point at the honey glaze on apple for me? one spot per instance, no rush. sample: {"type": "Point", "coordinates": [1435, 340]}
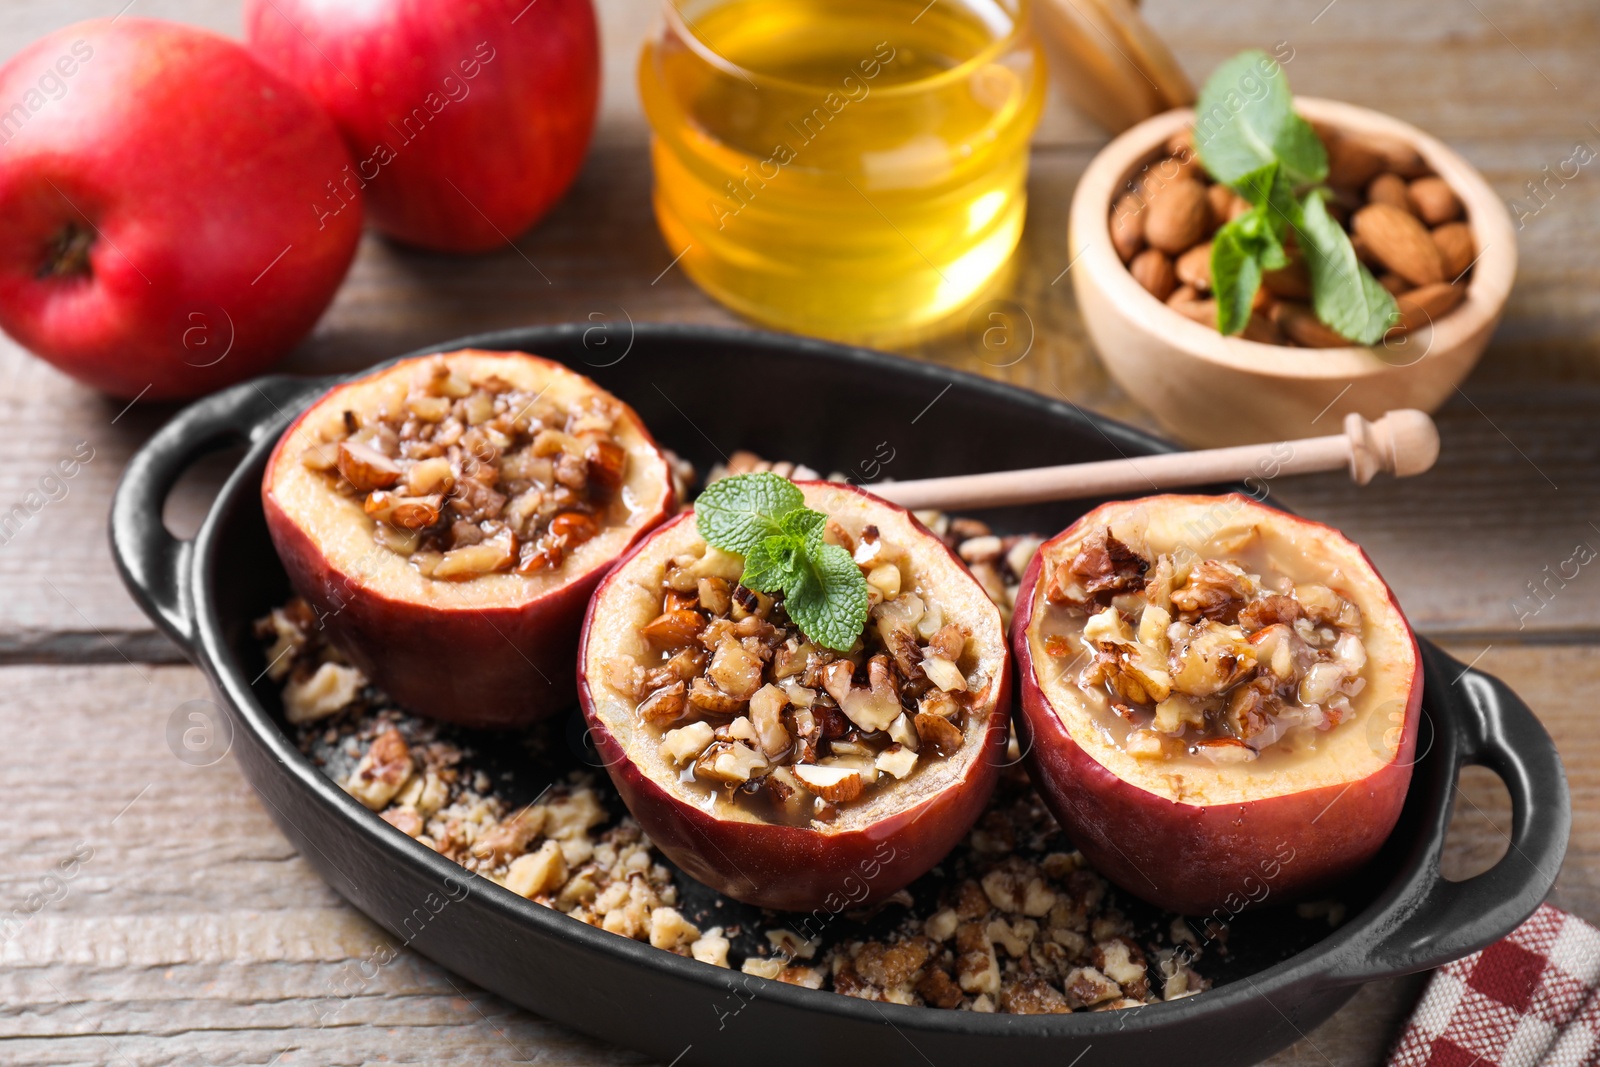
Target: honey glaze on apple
{"type": "Point", "coordinates": [748, 709]}
{"type": "Point", "coordinates": [471, 475]}
{"type": "Point", "coordinates": [1227, 651]}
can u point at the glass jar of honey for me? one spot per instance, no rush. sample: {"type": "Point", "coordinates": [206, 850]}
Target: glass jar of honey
{"type": "Point", "coordinates": [854, 169]}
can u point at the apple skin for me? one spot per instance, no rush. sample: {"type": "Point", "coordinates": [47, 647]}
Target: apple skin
{"type": "Point", "coordinates": [194, 169]}
{"type": "Point", "coordinates": [793, 868]}
{"type": "Point", "coordinates": [1192, 859]}
{"type": "Point", "coordinates": [467, 120]}
{"type": "Point", "coordinates": [496, 668]}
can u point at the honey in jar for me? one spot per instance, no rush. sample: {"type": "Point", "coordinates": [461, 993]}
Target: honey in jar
{"type": "Point", "coordinates": [849, 168]}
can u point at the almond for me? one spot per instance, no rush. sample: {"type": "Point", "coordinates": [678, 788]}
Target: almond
{"type": "Point", "coordinates": [673, 629]}
{"type": "Point", "coordinates": [1399, 156]}
{"type": "Point", "coordinates": [1364, 251]}
{"type": "Point", "coordinates": [1202, 311]}
{"type": "Point", "coordinates": [1261, 329]}
{"type": "Point", "coordinates": [1394, 283]}
{"type": "Point", "coordinates": [838, 784]}
{"type": "Point", "coordinates": [1194, 267]}
{"type": "Point", "coordinates": [1221, 199]}
{"type": "Point", "coordinates": [1181, 144]}
{"type": "Point", "coordinates": [1389, 189]}
{"type": "Point", "coordinates": [1303, 327]}
{"type": "Point", "coordinates": [1433, 201]}
{"type": "Point", "coordinates": [1153, 270]}
{"type": "Point", "coordinates": [1457, 249]}
{"type": "Point", "coordinates": [1127, 226]}
{"type": "Point", "coordinates": [1399, 242]}
{"type": "Point", "coordinates": [1178, 217]}
{"type": "Point", "coordinates": [1292, 282]}
{"type": "Point", "coordinates": [1352, 162]}
{"type": "Point", "coordinates": [1427, 304]}
{"type": "Point", "coordinates": [365, 467]}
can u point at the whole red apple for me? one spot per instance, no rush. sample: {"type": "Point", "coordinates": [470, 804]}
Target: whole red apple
{"type": "Point", "coordinates": [468, 120]}
{"type": "Point", "coordinates": [158, 187]}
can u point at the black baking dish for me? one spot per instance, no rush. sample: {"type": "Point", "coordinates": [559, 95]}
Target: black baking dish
{"type": "Point", "coordinates": [704, 393]}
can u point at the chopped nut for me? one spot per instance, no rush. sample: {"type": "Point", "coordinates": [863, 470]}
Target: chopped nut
{"type": "Point", "coordinates": [331, 687]}
{"type": "Point", "coordinates": [383, 770]}
{"type": "Point", "coordinates": [537, 872]}
{"type": "Point", "coordinates": [687, 742]}
{"type": "Point", "coordinates": [938, 734]}
{"type": "Point", "coordinates": [670, 930]}
{"type": "Point", "coordinates": [837, 784]}
{"type": "Point", "coordinates": [365, 468]}
{"type": "Point", "coordinates": [1087, 986]}
{"type": "Point", "coordinates": [673, 629]}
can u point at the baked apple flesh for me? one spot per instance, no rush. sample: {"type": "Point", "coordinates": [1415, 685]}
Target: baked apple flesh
{"type": "Point", "coordinates": [779, 772]}
{"type": "Point", "coordinates": [1221, 698]}
{"type": "Point", "coordinates": [448, 518]}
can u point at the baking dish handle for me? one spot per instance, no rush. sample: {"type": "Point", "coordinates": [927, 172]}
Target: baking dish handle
{"type": "Point", "coordinates": [1454, 919]}
{"type": "Point", "coordinates": [153, 563]}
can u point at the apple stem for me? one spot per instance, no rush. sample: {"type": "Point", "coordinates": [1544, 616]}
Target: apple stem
{"type": "Point", "coordinates": [68, 253]}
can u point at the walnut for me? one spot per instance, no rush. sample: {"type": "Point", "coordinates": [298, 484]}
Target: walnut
{"type": "Point", "coordinates": [1087, 986]}
{"type": "Point", "coordinates": [1033, 996]}
{"type": "Point", "coordinates": [383, 770]}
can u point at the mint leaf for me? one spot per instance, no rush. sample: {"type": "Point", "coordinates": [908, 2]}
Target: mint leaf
{"type": "Point", "coordinates": [1301, 151]}
{"type": "Point", "coordinates": [1269, 191]}
{"type": "Point", "coordinates": [803, 523]}
{"type": "Point", "coordinates": [773, 564]}
{"type": "Point", "coordinates": [1235, 275]}
{"type": "Point", "coordinates": [830, 603]}
{"type": "Point", "coordinates": [1240, 251]}
{"type": "Point", "coordinates": [737, 513]}
{"type": "Point", "coordinates": [1245, 120]}
{"type": "Point", "coordinates": [1345, 295]}
{"type": "Point", "coordinates": [763, 518]}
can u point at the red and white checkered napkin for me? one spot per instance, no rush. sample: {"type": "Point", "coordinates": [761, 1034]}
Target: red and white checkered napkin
{"type": "Point", "coordinates": [1530, 1000]}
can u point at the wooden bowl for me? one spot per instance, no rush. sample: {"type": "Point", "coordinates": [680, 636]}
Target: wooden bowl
{"type": "Point", "coordinates": [1213, 390]}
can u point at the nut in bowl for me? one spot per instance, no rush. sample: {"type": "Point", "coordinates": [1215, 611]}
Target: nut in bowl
{"type": "Point", "coordinates": [1424, 221]}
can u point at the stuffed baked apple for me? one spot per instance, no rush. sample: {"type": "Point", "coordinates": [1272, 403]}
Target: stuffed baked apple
{"type": "Point", "coordinates": [1220, 699]}
{"type": "Point", "coordinates": [808, 711]}
{"type": "Point", "coordinates": [448, 518]}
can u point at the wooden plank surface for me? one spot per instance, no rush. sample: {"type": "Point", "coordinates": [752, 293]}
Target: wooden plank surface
{"type": "Point", "coordinates": [193, 929]}
{"type": "Point", "coordinates": [195, 934]}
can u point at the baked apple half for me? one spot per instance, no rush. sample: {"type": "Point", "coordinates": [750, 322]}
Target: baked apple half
{"type": "Point", "coordinates": [448, 518]}
{"type": "Point", "coordinates": [773, 768]}
{"type": "Point", "coordinates": [1220, 700]}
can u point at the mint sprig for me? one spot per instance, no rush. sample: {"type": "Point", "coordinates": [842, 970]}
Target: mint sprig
{"type": "Point", "coordinates": [763, 518]}
{"type": "Point", "coordinates": [1250, 139]}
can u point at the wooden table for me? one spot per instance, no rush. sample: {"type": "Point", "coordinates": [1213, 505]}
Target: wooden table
{"type": "Point", "coordinates": [192, 932]}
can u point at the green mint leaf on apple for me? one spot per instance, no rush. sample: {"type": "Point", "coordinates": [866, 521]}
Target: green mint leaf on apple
{"type": "Point", "coordinates": [830, 603]}
{"type": "Point", "coordinates": [763, 518]}
{"type": "Point", "coordinates": [1245, 119]}
{"type": "Point", "coordinates": [1345, 295]}
{"type": "Point", "coordinates": [735, 514]}
{"type": "Point", "coordinates": [803, 523]}
{"type": "Point", "coordinates": [772, 564]}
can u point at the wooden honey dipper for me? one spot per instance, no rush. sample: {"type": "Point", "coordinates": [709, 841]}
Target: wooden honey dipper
{"type": "Point", "coordinates": [1401, 443]}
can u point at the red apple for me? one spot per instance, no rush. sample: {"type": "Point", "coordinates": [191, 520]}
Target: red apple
{"type": "Point", "coordinates": [158, 186]}
{"type": "Point", "coordinates": [467, 120]}
{"type": "Point", "coordinates": [801, 855]}
{"type": "Point", "coordinates": [1149, 810]}
{"type": "Point", "coordinates": [492, 644]}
